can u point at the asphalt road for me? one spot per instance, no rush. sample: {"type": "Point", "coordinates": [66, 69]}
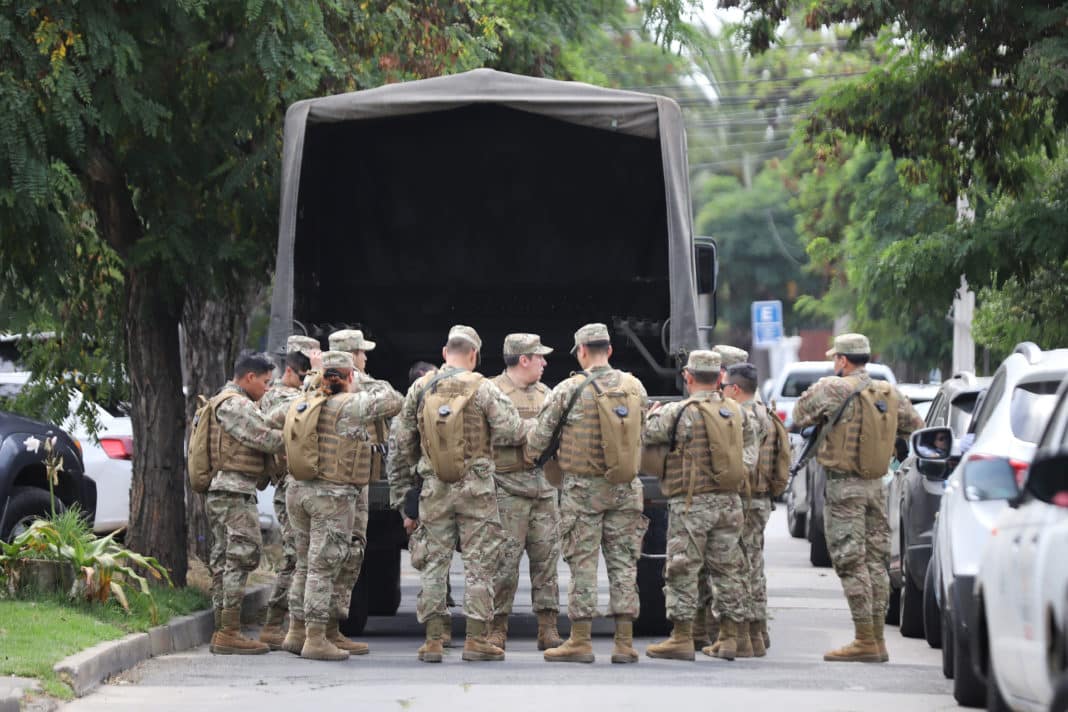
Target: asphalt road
{"type": "Point", "coordinates": [808, 608]}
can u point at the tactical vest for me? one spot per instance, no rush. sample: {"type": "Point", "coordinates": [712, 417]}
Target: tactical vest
{"type": "Point", "coordinates": [476, 437]}
{"type": "Point", "coordinates": [711, 460]}
{"type": "Point", "coordinates": [228, 454]}
{"type": "Point", "coordinates": [581, 444]}
{"type": "Point", "coordinates": [863, 440]}
{"type": "Point", "coordinates": [764, 472]}
{"type": "Point", "coordinates": [528, 402]}
{"type": "Point", "coordinates": [369, 458]}
{"type": "Point", "coordinates": [337, 454]}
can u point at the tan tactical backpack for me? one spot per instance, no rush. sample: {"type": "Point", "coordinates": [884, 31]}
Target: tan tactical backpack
{"type": "Point", "coordinates": [300, 435]}
{"type": "Point", "coordinates": [203, 430]}
{"type": "Point", "coordinates": [773, 466]}
{"type": "Point", "coordinates": [442, 423]}
{"type": "Point", "coordinates": [619, 410]}
{"type": "Point", "coordinates": [878, 406]}
{"type": "Point", "coordinates": [723, 424]}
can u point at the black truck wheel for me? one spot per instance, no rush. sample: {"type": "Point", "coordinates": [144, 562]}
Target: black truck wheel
{"type": "Point", "coordinates": [24, 505]}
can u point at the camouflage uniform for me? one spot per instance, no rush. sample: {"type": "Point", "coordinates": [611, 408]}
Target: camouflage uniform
{"type": "Point", "coordinates": [756, 510]}
{"type": "Point", "coordinates": [595, 514]}
{"type": "Point", "coordinates": [276, 401]}
{"type": "Point", "coordinates": [466, 509]}
{"type": "Point", "coordinates": [231, 501]}
{"type": "Point", "coordinates": [322, 510]}
{"type": "Point", "coordinates": [527, 505]}
{"type": "Point", "coordinates": [855, 522]}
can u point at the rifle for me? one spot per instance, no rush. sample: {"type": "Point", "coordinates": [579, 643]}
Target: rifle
{"type": "Point", "coordinates": [814, 435]}
{"type": "Point", "coordinates": [554, 439]}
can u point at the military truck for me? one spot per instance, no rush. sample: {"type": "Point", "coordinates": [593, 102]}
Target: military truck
{"type": "Point", "coordinates": [505, 202]}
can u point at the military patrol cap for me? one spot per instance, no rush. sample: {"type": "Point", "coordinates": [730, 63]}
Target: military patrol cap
{"type": "Point", "coordinates": [730, 355]}
{"type": "Point", "coordinates": [350, 340]}
{"type": "Point", "coordinates": [850, 345]}
{"type": "Point", "coordinates": [590, 333]}
{"type": "Point", "coordinates": [467, 334]}
{"type": "Point", "coordinates": [520, 344]}
{"type": "Point", "coordinates": [337, 359]}
{"type": "Point", "coordinates": [701, 361]}
{"type": "Point", "coordinates": [300, 343]}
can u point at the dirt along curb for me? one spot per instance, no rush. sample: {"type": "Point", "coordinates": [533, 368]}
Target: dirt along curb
{"type": "Point", "coordinates": [85, 670]}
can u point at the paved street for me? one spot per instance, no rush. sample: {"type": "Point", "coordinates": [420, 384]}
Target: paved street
{"type": "Point", "coordinates": [810, 616]}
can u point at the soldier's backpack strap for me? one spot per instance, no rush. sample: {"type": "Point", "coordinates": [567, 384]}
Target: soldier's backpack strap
{"type": "Point", "coordinates": [813, 443]}
{"type": "Point", "coordinates": [554, 440]}
{"type": "Point", "coordinates": [439, 376]}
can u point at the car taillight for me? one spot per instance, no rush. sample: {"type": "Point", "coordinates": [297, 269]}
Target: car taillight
{"type": "Point", "coordinates": [1019, 469]}
{"type": "Point", "coordinates": [118, 448]}
{"type": "Point", "coordinates": [781, 414]}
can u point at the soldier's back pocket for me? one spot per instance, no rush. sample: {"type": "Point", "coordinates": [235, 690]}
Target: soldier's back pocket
{"type": "Point", "coordinates": [417, 547]}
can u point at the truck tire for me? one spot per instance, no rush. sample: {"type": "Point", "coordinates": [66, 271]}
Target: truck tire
{"type": "Point", "coordinates": [384, 586]}
{"type": "Point", "coordinates": [652, 618]}
{"type": "Point", "coordinates": [818, 553]}
{"type": "Point", "coordinates": [932, 617]}
{"type": "Point", "coordinates": [911, 605]}
{"type": "Point", "coordinates": [893, 607]}
{"type": "Point", "coordinates": [25, 504]}
{"type": "Point", "coordinates": [357, 620]}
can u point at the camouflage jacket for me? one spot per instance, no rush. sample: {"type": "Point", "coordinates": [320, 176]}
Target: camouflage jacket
{"type": "Point", "coordinates": [760, 429]}
{"type": "Point", "coordinates": [541, 434]}
{"type": "Point", "coordinates": [278, 399]}
{"type": "Point", "coordinates": [243, 420]}
{"type": "Point", "coordinates": [374, 400]}
{"type": "Point", "coordinates": [658, 428]}
{"type": "Point", "coordinates": [526, 482]}
{"type": "Point", "coordinates": [823, 399]}
{"type": "Point", "coordinates": [407, 465]}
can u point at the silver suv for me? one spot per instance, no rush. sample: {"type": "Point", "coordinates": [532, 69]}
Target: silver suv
{"type": "Point", "coordinates": [1008, 422]}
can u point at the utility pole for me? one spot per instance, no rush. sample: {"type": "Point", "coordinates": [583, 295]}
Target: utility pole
{"type": "Point", "coordinates": [963, 308]}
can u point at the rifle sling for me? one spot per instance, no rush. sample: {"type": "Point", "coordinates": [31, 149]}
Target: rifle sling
{"type": "Point", "coordinates": [554, 440]}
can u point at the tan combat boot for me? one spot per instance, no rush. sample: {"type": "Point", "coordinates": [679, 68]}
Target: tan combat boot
{"type": "Point", "coordinates": [878, 623]}
{"type": "Point", "coordinates": [678, 647]}
{"type": "Point", "coordinates": [476, 647]}
{"type": "Point", "coordinates": [727, 645]}
{"type": "Point", "coordinates": [446, 631]}
{"type": "Point", "coordinates": [431, 651]}
{"type": "Point", "coordinates": [294, 641]}
{"type": "Point", "coordinates": [700, 629]}
{"type": "Point", "coordinates": [757, 640]}
{"type": "Point", "coordinates": [577, 648]}
{"type": "Point", "coordinates": [548, 635]}
{"type": "Point", "coordinates": [228, 639]}
{"type": "Point", "coordinates": [340, 641]}
{"type": "Point", "coordinates": [712, 625]}
{"type": "Point", "coordinates": [623, 651]}
{"type": "Point", "coordinates": [317, 647]}
{"type": "Point", "coordinates": [863, 649]}
{"type": "Point", "coordinates": [217, 614]}
{"type": "Point", "coordinates": [744, 647]}
{"type": "Point", "coordinates": [498, 631]}
{"type": "Point", "coordinates": [762, 626]}
{"type": "Point", "coordinates": [272, 634]}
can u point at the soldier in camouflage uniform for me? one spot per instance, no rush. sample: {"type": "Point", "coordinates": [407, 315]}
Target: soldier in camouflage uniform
{"type": "Point", "coordinates": [244, 453]}
{"type": "Point", "coordinates": [764, 483]}
{"type": "Point", "coordinates": [702, 479]}
{"type": "Point", "coordinates": [466, 508]}
{"type": "Point", "coordinates": [526, 501]}
{"type": "Point", "coordinates": [858, 535]}
{"type": "Point", "coordinates": [370, 462]}
{"type": "Point", "coordinates": [298, 354]}
{"type": "Point", "coordinates": [595, 514]}
{"type": "Point", "coordinates": [321, 509]}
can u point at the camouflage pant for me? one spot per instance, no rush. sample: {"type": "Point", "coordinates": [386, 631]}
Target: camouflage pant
{"type": "Point", "coordinates": [757, 511]}
{"type": "Point", "coordinates": [531, 523]}
{"type": "Point", "coordinates": [858, 538]}
{"type": "Point", "coordinates": [283, 579]}
{"type": "Point", "coordinates": [236, 545]}
{"type": "Point", "coordinates": [350, 570]}
{"type": "Point", "coordinates": [707, 533]}
{"type": "Point", "coordinates": [321, 516]}
{"type": "Point", "coordinates": [596, 515]}
{"type": "Point", "coordinates": [464, 511]}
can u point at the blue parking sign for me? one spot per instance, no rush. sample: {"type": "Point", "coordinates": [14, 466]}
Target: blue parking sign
{"type": "Point", "coordinates": [767, 322]}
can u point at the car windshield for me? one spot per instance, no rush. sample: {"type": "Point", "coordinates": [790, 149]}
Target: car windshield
{"type": "Point", "coordinates": [798, 382]}
{"type": "Point", "coordinates": [922, 408]}
{"type": "Point", "coordinates": [960, 414]}
{"type": "Point", "coordinates": [1031, 406]}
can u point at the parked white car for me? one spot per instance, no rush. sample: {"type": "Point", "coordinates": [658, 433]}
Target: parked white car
{"type": "Point", "coordinates": [1007, 424]}
{"type": "Point", "coordinates": [796, 377]}
{"type": "Point", "coordinates": [1022, 588]}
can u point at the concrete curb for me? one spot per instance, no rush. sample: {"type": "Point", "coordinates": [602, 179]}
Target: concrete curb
{"type": "Point", "coordinates": [11, 691]}
{"type": "Point", "coordinates": [85, 670]}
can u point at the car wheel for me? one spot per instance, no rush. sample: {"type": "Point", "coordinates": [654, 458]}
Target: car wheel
{"type": "Point", "coordinates": [994, 700]}
{"type": "Point", "coordinates": [911, 606]}
{"type": "Point", "coordinates": [1060, 695]}
{"type": "Point", "coordinates": [968, 689]}
{"type": "Point", "coordinates": [795, 522]}
{"type": "Point", "coordinates": [932, 617]}
{"type": "Point", "coordinates": [893, 609]}
{"type": "Point", "coordinates": [818, 553]}
{"type": "Point", "coordinates": [947, 645]}
{"type": "Point", "coordinates": [24, 505]}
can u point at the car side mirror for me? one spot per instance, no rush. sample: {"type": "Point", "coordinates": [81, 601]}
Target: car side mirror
{"type": "Point", "coordinates": [933, 447]}
{"type": "Point", "coordinates": [1047, 477]}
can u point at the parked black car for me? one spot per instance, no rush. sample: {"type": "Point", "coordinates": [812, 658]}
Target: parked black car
{"type": "Point", "coordinates": [912, 503]}
{"type": "Point", "coordinates": [23, 483]}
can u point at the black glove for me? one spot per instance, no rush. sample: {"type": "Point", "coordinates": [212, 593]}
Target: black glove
{"type": "Point", "coordinates": [411, 502]}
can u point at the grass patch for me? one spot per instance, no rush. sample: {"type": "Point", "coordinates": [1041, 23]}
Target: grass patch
{"type": "Point", "coordinates": [38, 632]}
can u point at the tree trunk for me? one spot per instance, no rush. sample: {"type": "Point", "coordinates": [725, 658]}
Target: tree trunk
{"type": "Point", "coordinates": [157, 496]}
{"type": "Point", "coordinates": [215, 330]}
